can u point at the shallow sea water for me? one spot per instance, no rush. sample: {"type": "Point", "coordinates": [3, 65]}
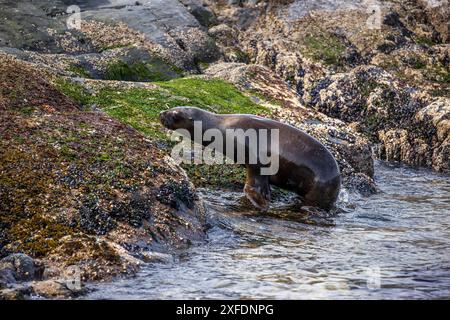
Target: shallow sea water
{"type": "Point", "coordinates": [392, 245]}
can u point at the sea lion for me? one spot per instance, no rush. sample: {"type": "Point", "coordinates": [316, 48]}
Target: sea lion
{"type": "Point", "coordinates": [305, 165]}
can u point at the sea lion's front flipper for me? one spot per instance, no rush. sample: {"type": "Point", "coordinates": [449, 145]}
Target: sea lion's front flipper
{"type": "Point", "coordinates": [257, 188]}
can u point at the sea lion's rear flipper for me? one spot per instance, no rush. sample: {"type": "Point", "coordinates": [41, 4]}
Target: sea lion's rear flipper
{"type": "Point", "coordinates": [257, 188]}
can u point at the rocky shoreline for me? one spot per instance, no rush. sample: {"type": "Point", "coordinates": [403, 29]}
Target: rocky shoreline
{"type": "Point", "coordinates": [86, 181]}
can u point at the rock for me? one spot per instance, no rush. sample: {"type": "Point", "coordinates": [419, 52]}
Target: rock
{"type": "Point", "coordinates": [61, 289]}
{"type": "Point", "coordinates": [18, 293]}
{"type": "Point", "coordinates": [204, 15]}
{"type": "Point", "coordinates": [346, 95]}
{"type": "Point", "coordinates": [426, 18]}
{"type": "Point", "coordinates": [27, 85]}
{"type": "Point", "coordinates": [125, 64]}
{"type": "Point", "coordinates": [157, 257]}
{"type": "Point", "coordinates": [438, 114]}
{"type": "Point", "coordinates": [238, 13]}
{"type": "Point", "coordinates": [421, 67]}
{"type": "Point", "coordinates": [53, 289]}
{"type": "Point", "coordinates": [197, 44]}
{"type": "Point", "coordinates": [25, 25]}
{"type": "Point", "coordinates": [17, 267]}
{"type": "Point", "coordinates": [167, 26]}
{"type": "Point", "coordinates": [224, 35]}
{"type": "Point", "coordinates": [51, 272]}
{"type": "Point", "coordinates": [73, 216]}
{"type": "Point", "coordinates": [320, 48]}
{"type": "Point", "coordinates": [165, 23]}
{"type": "Point", "coordinates": [389, 113]}
{"type": "Point", "coordinates": [227, 40]}
{"type": "Point", "coordinates": [84, 192]}
{"type": "Point", "coordinates": [426, 142]}
{"type": "Point", "coordinates": [7, 275]}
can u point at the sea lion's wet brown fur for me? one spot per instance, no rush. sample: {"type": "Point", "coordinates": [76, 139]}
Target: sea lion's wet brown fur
{"type": "Point", "coordinates": [305, 165]}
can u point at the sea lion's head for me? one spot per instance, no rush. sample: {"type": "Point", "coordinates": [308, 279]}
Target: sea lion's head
{"type": "Point", "coordinates": [181, 117]}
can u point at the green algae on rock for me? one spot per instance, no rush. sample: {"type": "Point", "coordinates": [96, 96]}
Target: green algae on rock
{"type": "Point", "coordinates": [140, 107]}
{"type": "Point", "coordinates": [151, 70]}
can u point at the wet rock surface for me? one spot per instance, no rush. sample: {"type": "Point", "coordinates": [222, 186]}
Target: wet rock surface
{"type": "Point", "coordinates": [25, 279]}
{"type": "Point", "coordinates": [22, 277]}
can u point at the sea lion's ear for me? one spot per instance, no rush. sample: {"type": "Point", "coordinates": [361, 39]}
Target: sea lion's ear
{"type": "Point", "coordinates": [257, 189]}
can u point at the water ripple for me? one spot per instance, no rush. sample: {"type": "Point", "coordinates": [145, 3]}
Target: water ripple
{"type": "Point", "coordinates": [395, 244]}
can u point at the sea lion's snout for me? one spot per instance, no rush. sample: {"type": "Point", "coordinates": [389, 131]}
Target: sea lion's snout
{"type": "Point", "coordinates": [168, 119]}
{"type": "Point", "coordinates": [165, 119]}
{"type": "Point", "coordinates": [176, 118]}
